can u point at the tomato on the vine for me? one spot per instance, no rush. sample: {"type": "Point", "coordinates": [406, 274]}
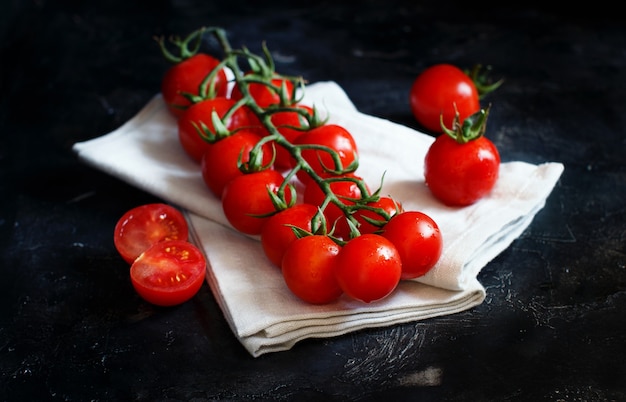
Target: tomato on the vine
{"type": "Point", "coordinates": [199, 115]}
{"type": "Point", "coordinates": [418, 241]}
{"type": "Point", "coordinates": [308, 268]}
{"type": "Point", "coordinates": [291, 125]}
{"type": "Point", "coordinates": [264, 95]}
{"type": "Point", "coordinates": [437, 91]}
{"type": "Point", "coordinates": [168, 273]}
{"type": "Point", "coordinates": [143, 226]}
{"type": "Point", "coordinates": [462, 165]}
{"type": "Point", "coordinates": [277, 233]}
{"type": "Point", "coordinates": [385, 204]}
{"type": "Point", "coordinates": [186, 77]}
{"type": "Point", "coordinates": [332, 136]}
{"type": "Point", "coordinates": [368, 267]}
{"type": "Point", "coordinates": [348, 191]}
{"type": "Point", "coordinates": [246, 200]}
{"type": "Point", "coordinates": [220, 163]}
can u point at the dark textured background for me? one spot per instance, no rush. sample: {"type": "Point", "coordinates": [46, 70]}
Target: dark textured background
{"type": "Point", "coordinates": [552, 326]}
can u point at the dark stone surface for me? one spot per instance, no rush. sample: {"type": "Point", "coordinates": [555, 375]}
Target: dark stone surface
{"type": "Point", "coordinates": [72, 328]}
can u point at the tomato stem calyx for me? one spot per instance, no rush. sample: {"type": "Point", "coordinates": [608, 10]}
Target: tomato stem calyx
{"type": "Point", "coordinates": [473, 127]}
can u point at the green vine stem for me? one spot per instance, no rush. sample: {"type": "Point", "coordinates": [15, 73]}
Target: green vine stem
{"type": "Point", "coordinates": [262, 72]}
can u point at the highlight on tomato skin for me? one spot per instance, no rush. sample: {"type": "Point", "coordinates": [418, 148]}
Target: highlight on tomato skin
{"type": "Point", "coordinates": [168, 273]}
{"type": "Point", "coordinates": [142, 226]}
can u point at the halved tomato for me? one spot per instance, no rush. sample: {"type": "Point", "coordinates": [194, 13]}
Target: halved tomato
{"type": "Point", "coordinates": [168, 273]}
{"type": "Point", "coordinates": [141, 227]}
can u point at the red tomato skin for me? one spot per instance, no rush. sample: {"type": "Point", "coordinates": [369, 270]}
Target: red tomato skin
{"type": "Point", "coordinates": [332, 136]}
{"type": "Point", "coordinates": [387, 204]}
{"type": "Point", "coordinates": [143, 226]}
{"type": "Point", "coordinates": [283, 121]}
{"type": "Point", "coordinates": [263, 96]}
{"type": "Point", "coordinates": [186, 77]}
{"type": "Point", "coordinates": [313, 194]}
{"type": "Point", "coordinates": [461, 174]}
{"type": "Point", "coordinates": [193, 144]}
{"type": "Point", "coordinates": [277, 235]}
{"type": "Point", "coordinates": [247, 195]}
{"type": "Point", "coordinates": [168, 273]}
{"type": "Point", "coordinates": [219, 164]}
{"type": "Point", "coordinates": [436, 90]}
{"type": "Point", "coordinates": [418, 241]}
{"type": "Point", "coordinates": [308, 268]}
{"type": "Point", "coordinates": [368, 268]}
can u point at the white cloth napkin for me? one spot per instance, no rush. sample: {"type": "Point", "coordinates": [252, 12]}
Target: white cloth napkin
{"type": "Point", "coordinates": [261, 311]}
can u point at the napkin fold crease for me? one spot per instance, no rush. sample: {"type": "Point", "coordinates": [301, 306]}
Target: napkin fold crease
{"type": "Point", "coordinates": [262, 313]}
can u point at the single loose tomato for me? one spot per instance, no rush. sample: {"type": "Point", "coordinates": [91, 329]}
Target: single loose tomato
{"type": "Point", "coordinates": [168, 273]}
{"type": "Point", "coordinates": [462, 165]}
{"type": "Point", "coordinates": [246, 201]}
{"type": "Point", "coordinates": [277, 233]}
{"type": "Point", "coordinates": [368, 268]}
{"type": "Point", "coordinates": [308, 268]}
{"type": "Point", "coordinates": [437, 91]}
{"type": "Point", "coordinates": [143, 226]}
{"type": "Point", "coordinates": [220, 163]}
{"type": "Point", "coordinates": [348, 191]}
{"type": "Point", "coordinates": [199, 115]}
{"type": "Point", "coordinates": [418, 241]}
{"type": "Point", "coordinates": [186, 77]}
{"type": "Point", "coordinates": [335, 138]}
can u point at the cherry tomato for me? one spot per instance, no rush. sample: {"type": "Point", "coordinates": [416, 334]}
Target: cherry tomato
{"type": "Point", "coordinates": [368, 268]}
{"type": "Point", "coordinates": [186, 77]}
{"type": "Point", "coordinates": [437, 90]}
{"type": "Point", "coordinates": [332, 136]}
{"type": "Point", "coordinates": [141, 227]}
{"type": "Point", "coordinates": [277, 233]}
{"type": "Point", "coordinates": [346, 190]}
{"type": "Point", "coordinates": [461, 170]}
{"type": "Point", "coordinates": [262, 94]}
{"type": "Point", "coordinates": [386, 204]}
{"type": "Point", "coordinates": [246, 198]}
{"type": "Point", "coordinates": [168, 273]}
{"type": "Point", "coordinates": [220, 163]}
{"type": "Point", "coordinates": [418, 241]}
{"type": "Point", "coordinates": [308, 268]}
{"type": "Point", "coordinates": [287, 124]}
{"type": "Point", "coordinates": [200, 114]}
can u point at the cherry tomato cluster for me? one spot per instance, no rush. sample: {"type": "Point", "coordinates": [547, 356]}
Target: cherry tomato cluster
{"type": "Point", "coordinates": [462, 165]}
{"type": "Point", "coordinates": [291, 178]}
{"type": "Point", "coordinates": [165, 268]}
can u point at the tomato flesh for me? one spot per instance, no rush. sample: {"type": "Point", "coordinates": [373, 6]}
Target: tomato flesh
{"type": "Point", "coordinates": [141, 227]}
{"type": "Point", "coordinates": [168, 273]}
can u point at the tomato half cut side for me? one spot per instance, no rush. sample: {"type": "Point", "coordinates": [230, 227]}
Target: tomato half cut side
{"type": "Point", "coordinates": [145, 225]}
{"type": "Point", "coordinates": [168, 273]}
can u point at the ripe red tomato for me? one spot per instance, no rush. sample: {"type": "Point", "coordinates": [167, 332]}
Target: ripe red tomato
{"type": "Point", "coordinates": [141, 227]}
{"type": "Point", "coordinates": [287, 124]}
{"type": "Point", "coordinates": [418, 241]}
{"type": "Point", "coordinates": [200, 114]}
{"type": "Point", "coordinates": [245, 200]}
{"type": "Point", "coordinates": [346, 190]}
{"type": "Point", "coordinates": [462, 166]}
{"type": "Point", "coordinates": [263, 95]}
{"type": "Point", "coordinates": [386, 204]}
{"type": "Point", "coordinates": [186, 77]}
{"type": "Point", "coordinates": [332, 136]}
{"type": "Point", "coordinates": [220, 163]}
{"type": "Point", "coordinates": [168, 273]}
{"type": "Point", "coordinates": [368, 268]}
{"type": "Point", "coordinates": [277, 233]}
{"type": "Point", "coordinates": [437, 90]}
{"type": "Point", "coordinates": [308, 268]}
